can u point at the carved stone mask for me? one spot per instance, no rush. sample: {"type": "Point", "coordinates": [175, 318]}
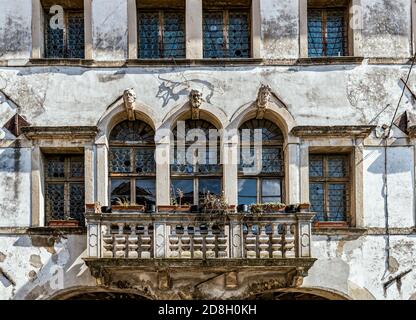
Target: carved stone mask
{"type": "Point", "coordinates": [129, 96]}
{"type": "Point", "coordinates": [264, 95]}
{"type": "Point", "coordinates": [195, 98]}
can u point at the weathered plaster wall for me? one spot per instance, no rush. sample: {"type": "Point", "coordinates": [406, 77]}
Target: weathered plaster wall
{"type": "Point", "coordinates": [386, 28]}
{"type": "Point", "coordinates": [15, 29]}
{"type": "Point", "coordinates": [357, 266]}
{"type": "Point", "coordinates": [109, 21]}
{"type": "Point", "coordinates": [15, 189]}
{"type": "Point", "coordinates": [280, 29]}
{"type": "Point", "coordinates": [316, 95]}
{"type": "Point", "coordinates": [37, 266]}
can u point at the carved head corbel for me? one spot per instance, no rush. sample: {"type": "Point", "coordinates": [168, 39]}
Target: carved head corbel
{"type": "Point", "coordinates": [263, 99]}
{"type": "Point", "coordinates": [195, 99]}
{"type": "Point", "coordinates": [129, 98]}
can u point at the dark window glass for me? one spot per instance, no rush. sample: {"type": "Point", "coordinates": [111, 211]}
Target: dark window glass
{"type": "Point", "coordinates": [120, 191]}
{"type": "Point", "coordinates": [271, 190]}
{"type": "Point", "coordinates": [161, 34]}
{"type": "Point", "coordinates": [212, 186]}
{"type": "Point", "coordinates": [247, 191]}
{"type": "Point", "coordinates": [64, 187]}
{"type": "Point", "coordinates": [329, 185]}
{"type": "Point", "coordinates": [146, 191]}
{"type": "Point", "coordinates": [66, 42]}
{"type": "Point", "coordinates": [327, 32]}
{"type": "Point", "coordinates": [186, 186]}
{"type": "Point", "coordinates": [226, 34]}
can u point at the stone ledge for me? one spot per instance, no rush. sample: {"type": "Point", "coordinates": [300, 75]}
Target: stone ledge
{"type": "Point", "coordinates": [333, 131]}
{"type": "Point", "coordinates": [56, 231]}
{"type": "Point", "coordinates": [67, 132]}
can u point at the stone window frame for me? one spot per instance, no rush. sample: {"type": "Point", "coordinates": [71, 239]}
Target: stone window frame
{"type": "Point", "coordinates": [193, 29]}
{"type": "Point", "coordinates": [38, 34]}
{"type": "Point", "coordinates": [354, 36]}
{"type": "Point", "coordinates": [67, 180]}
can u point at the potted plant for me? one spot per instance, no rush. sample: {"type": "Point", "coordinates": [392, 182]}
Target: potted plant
{"type": "Point", "coordinates": [273, 207]}
{"type": "Point", "coordinates": [125, 205]}
{"type": "Point", "coordinates": [216, 204]}
{"type": "Point", "coordinates": [182, 207]}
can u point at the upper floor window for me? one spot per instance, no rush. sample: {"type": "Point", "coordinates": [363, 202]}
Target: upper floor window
{"type": "Point", "coordinates": [329, 187]}
{"type": "Point", "coordinates": [64, 188]}
{"type": "Point", "coordinates": [64, 29]}
{"type": "Point", "coordinates": [261, 175]}
{"type": "Point", "coordinates": [161, 30]}
{"type": "Point", "coordinates": [226, 29]}
{"type": "Point", "coordinates": [328, 28]}
{"type": "Point", "coordinates": [132, 165]}
{"type": "Point", "coordinates": [196, 169]}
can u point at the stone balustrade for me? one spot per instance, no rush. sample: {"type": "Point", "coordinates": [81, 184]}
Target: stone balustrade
{"type": "Point", "coordinates": [190, 236]}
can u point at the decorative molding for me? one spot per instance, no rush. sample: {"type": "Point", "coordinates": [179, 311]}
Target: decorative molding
{"type": "Point", "coordinates": [333, 131]}
{"type": "Point", "coordinates": [80, 132]}
{"type": "Point", "coordinates": [129, 98]}
{"type": "Point", "coordinates": [263, 100]}
{"type": "Point", "coordinates": [195, 100]}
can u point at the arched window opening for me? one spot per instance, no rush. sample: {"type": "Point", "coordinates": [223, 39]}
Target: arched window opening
{"type": "Point", "coordinates": [196, 168]}
{"type": "Point", "coordinates": [132, 165]}
{"type": "Point", "coordinates": [261, 166]}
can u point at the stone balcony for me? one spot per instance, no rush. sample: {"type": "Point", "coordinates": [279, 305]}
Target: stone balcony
{"type": "Point", "coordinates": [183, 255]}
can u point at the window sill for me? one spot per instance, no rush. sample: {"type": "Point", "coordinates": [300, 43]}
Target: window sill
{"type": "Point", "coordinates": [56, 230]}
{"type": "Point", "coordinates": [329, 229]}
{"type": "Point", "coordinates": [330, 60]}
{"type": "Point", "coordinates": [193, 62]}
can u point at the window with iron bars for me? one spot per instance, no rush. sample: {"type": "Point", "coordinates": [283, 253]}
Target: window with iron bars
{"type": "Point", "coordinates": [327, 32]}
{"type": "Point", "coordinates": [64, 188]}
{"type": "Point", "coordinates": [161, 34]}
{"type": "Point", "coordinates": [226, 33]}
{"type": "Point", "coordinates": [329, 186]}
{"type": "Point", "coordinates": [67, 42]}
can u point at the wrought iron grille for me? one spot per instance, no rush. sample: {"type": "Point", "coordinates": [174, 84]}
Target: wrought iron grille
{"type": "Point", "coordinates": [64, 188]}
{"type": "Point", "coordinates": [329, 187]}
{"type": "Point", "coordinates": [132, 163]}
{"type": "Point", "coordinates": [226, 34]}
{"type": "Point", "coordinates": [327, 32]}
{"type": "Point", "coordinates": [67, 42]}
{"type": "Point", "coordinates": [161, 34]}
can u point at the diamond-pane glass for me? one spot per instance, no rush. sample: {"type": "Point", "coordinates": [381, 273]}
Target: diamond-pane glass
{"type": "Point", "coordinates": [133, 131]}
{"type": "Point", "coordinates": [327, 32]}
{"type": "Point", "coordinates": [337, 167]}
{"type": "Point", "coordinates": [56, 168]}
{"type": "Point", "coordinates": [316, 166]}
{"type": "Point", "coordinates": [239, 34]}
{"type": "Point", "coordinates": [120, 160]}
{"type": "Point", "coordinates": [148, 35]}
{"type": "Point", "coordinates": [337, 202]}
{"type": "Point", "coordinates": [55, 201]}
{"type": "Point", "coordinates": [145, 161]}
{"type": "Point", "coordinates": [317, 199]}
{"type": "Point", "coordinates": [174, 35]}
{"type": "Point", "coordinates": [76, 201]}
{"type": "Point", "coordinates": [77, 167]}
{"type": "Point", "coordinates": [55, 45]}
{"type": "Point", "coordinates": [75, 36]}
{"type": "Point", "coordinates": [214, 44]}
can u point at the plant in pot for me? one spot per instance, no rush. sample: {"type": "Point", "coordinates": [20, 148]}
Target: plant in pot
{"type": "Point", "coordinates": [273, 207]}
{"type": "Point", "coordinates": [214, 204]}
{"type": "Point", "coordinates": [125, 205]}
{"type": "Point", "coordinates": [180, 206]}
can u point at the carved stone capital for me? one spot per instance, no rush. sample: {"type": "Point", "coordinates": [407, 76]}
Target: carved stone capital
{"type": "Point", "coordinates": [129, 98]}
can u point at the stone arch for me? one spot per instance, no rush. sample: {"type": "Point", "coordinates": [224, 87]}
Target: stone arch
{"type": "Point", "coordinates": [98, 293]}
{"type": "Point", "coordinates": [116, 114]}
{"type": "Point", "coordinates": [300, 294]}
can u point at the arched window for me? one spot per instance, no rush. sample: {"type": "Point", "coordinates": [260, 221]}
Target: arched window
{"type": "Point", "coordinates": [132, 165]}
{"type": "Point", "coordinates": [196, 168]}
{"type": "Point", "coordinates": [261, 168]}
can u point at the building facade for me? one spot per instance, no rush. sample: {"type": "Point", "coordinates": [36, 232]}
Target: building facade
{"type": "Point", "coordinates": [105, 194]}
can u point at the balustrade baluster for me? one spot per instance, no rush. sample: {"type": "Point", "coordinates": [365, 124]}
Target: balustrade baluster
{"type": "Point", "coordinates": [173, 243]}
{"type": "Point", "coordinates": [198, 244]}
{"type": "Point", "coordinates": [251, 243]}
{"type": "Point", "coordinates": [186, 243]}
{"type": "Point", "coordinates": [264, 244]}
{"type": "Point", "coordinates": [146, 243]}
{"type": "Point", "coordinates": [108, 242]}
{"type": "Point", "coordinates": [210, 244]}
{"type": "Point", "coordinates": [120, 242]}
{"type": "Point", "coordinates": [133, 243]}
{"type": "Point", "coordinates": [277, 242]}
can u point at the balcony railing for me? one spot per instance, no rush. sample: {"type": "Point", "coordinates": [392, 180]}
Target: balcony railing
{"type": "Point", "coordinates": [190, 236]}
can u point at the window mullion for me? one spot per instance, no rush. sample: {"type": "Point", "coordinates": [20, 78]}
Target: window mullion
{"type": "Point", "coordinates": [65, 35]}
{"type": "Point", "coordinates": [225, 32]}
{"type": "Point", "coordinates": [324, 34]}
{"type": "Point", "coordinates": [161, 25]}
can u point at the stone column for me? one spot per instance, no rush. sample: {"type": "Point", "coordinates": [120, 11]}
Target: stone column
{"type": "Point", "coordinates": [256, 29]}
{"type": "Point", "coordinates": [88, 29]}
{"type": "Point", "coordinates": [132, 28]}
{"type": "Point", "coordinates": [303, 28]}
{"type": "Point", "coordinates": [356, 25]}
{"type": "Point", "coordinates": [292, 161]}
{"type": "Point", "coordinates": [303, 235]}
{"type": "Point", "coordinates": [37, 36]}
{"type": "Point", "coordinates": [230, 156]}
{"type": "Point", "coordinates": [304, 173]}
{"type": "Point", "coordinates": [163, 172]}
{"type": "Point", "coordinates": [89, 156]}
{"type": "Point", "coordinates": [236, 237]}
{"type": "Point", "coordinates": [102, 174]}
{"type": "Point", "coordinates": [357, 195]}
{"type": "Point", "coordinates": [194, 36]}
{"type": "Point", "coordinates": [37, 198]}
{"type": "Point", "coordinates": [94, 238]}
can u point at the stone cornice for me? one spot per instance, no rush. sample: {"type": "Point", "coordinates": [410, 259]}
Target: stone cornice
{"type": "Point", "coordinates": [333, 131]}
{"type": "Point", "coordinates": [77, 132]}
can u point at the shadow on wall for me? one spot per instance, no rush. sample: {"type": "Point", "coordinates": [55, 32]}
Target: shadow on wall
{"type": "Point", "coordinates": [64, 267]}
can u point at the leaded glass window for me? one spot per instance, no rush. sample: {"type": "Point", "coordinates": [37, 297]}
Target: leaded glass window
{"type": "Point", "coordinates": [327, 32]}
{"type": "Point", "coordinates": [196, 168]}
{"type": "Point", "coordinates": [226, 33]}
{"type": "Point", "coordinates": [132, 165]}
{"type": "Point", "coordinates": [329, 186]}
{"type": "Point", "coordinates": [64, 188]}
{"type": "Point", "coordinates": [161, 34]}
{"type": "Point", "coordinates": [66, 41]}
{"type": "Point", "coordinates": [261, 166]}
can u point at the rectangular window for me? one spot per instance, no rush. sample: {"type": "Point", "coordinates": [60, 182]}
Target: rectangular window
{"type": "Point", "coordinates": [64, 38]}
{"type": "Point", "coordinates": [226, 30]}
{"type": "Point", "coordinates": [328, 31]}
{"type": "Point", "coordinates": [259, 190]}
{"type": "Point", "coordinates": [161, 34]}
{"type": "Point", "coordinates": [64, 188]}
{"type": "Point", "coordinates": [329, 187]}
